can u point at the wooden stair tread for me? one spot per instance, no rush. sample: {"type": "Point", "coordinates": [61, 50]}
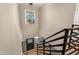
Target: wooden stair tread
{"type": "Point", "coordinates": [33, 51]}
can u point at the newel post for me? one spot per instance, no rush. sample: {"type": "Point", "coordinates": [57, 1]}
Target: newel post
{"type": "Point", "coordinates": [65, 41]}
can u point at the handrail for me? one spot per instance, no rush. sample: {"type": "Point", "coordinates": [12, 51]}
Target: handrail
{"type": "Point", "coordinates": [72, 41]}
{"type": "Point", "coordinates": [73, 36]}
{"type": "Point", "coordinates": [72, 28]}
{"type": "Point", "coordinates": [55, 45]}
{"type": "Point", "coordinates": [61, 31]}
{"type": "Point", "coordinates": [75, 33]}
{"type": "Point", "coordinates": [65, 37]}
{"type": "Point", "coordinates": [54, 34]}
{"type": "Point", "coordinates": [55, 39]}
{"type": "Point", "coordinates": [75, 25]}
{"type": "Point", "coordinates": [76, 37]}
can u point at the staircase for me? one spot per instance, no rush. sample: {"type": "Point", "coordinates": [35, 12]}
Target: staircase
{"type": "Point", "coordinates": [69, 43]}
{"type": "Point", "coordinates": [57, 44]}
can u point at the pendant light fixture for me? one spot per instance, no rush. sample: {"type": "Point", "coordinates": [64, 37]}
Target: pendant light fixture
{"type": "Point", "coordinates": [31, 6]}
{"type": "Point", "coordinates": [30, 14]}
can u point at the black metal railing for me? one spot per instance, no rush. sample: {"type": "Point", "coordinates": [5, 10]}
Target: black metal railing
{"type": "Point", "coordinates": [66, 44]}
{"type": "Point", "coordinates": [73, 32]}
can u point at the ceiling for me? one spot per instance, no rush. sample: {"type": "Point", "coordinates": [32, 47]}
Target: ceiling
{"type": "Point", "coordinates": [35, 4]}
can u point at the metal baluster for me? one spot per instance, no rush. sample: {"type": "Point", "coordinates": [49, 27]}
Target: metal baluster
{"type": "Point", "coordinates": [65, 41]}
{"type": "Point", "coordinates": [43, 47]}
{"type": "Point", "coordinates": [50, 48]}
{"type": "Point", "coordinates": [70, 37]}
{"type": "Point", "coordinates": [37, 48]}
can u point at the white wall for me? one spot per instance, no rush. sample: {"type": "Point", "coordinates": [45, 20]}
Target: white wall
{"type": "Point", "coordinates": [28, 30]}
{"type": "Point", "coordinates": [10, 33]}
{"type": "Point", "coordinates": [54, 17]}
{"type": "Point", "coordinates": [76, 18]}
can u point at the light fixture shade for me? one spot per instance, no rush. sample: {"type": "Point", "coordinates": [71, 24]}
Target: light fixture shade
{"type": "Point", "coordinates": [30, 3]}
